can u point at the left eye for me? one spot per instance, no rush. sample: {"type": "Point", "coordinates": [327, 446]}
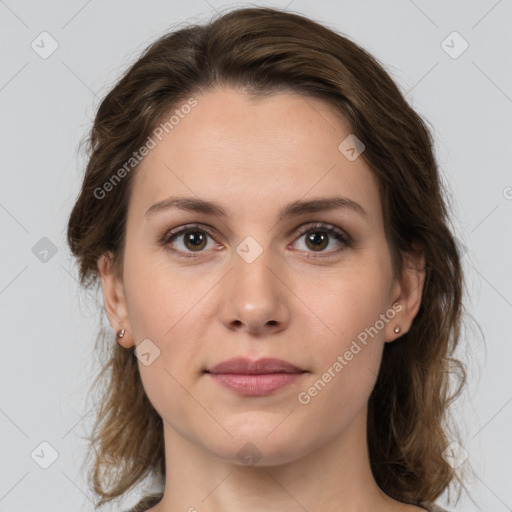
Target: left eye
{"type": "Point", "coordinates": [318, 237]}
{"type": "Point", "coordinates": [194, 239]}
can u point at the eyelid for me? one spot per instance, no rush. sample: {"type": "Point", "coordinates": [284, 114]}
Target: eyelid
{"type": "Point", "coordinates": [186, 227]}
{"type": "Point", "coordinates": [311, 226]}
{"type": "Point", "coordinates": [344, 238]}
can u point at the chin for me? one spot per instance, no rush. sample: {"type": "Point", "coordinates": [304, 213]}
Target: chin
{"type": "Point", "coordinates": [254, 448]}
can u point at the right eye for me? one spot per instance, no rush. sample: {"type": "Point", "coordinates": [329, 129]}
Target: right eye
{"type": "Point", "coordinates": [193, 238]}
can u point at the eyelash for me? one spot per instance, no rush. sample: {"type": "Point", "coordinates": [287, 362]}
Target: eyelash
{"type": "Point", "coordinates": [329, 229]}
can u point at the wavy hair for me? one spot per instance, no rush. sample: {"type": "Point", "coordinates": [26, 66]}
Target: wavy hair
{"type": "Point", "coordinates": [261, 51]}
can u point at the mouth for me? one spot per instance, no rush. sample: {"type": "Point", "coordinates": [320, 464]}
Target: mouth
{"type": "Point", "coordinates": [255, 378]}
{"type": "Point", "coordinates": [243, 365]}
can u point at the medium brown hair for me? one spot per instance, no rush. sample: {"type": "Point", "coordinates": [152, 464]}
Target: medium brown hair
{"type": "Point", "coordinates": [261, 51]}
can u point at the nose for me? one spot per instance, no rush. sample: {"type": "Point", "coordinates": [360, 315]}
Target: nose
{"type": "Point", "coordinates": [254, 296]}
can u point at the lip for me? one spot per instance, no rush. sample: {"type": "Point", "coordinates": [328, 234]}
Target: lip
{"type": "Point", "coordinates": [243, 365]}
{"type": "Point", "coordinates": [255, 378]}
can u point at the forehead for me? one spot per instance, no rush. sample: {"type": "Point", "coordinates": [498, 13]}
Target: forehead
{"type": "Point", "coordinates": [250, 154]}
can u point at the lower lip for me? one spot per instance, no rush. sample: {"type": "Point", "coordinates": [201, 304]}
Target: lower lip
{"type": "Point", "coordinates": [255, 385]}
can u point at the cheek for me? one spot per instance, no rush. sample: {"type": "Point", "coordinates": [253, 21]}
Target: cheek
{"type": "Point", "coordinates": [158, 296]}
{"type": "Point", "coordinates": [163, 304]}
{"type": "Point", "coordinates": [351, 303]}
{"type": "Point", "coordinates": [157, 316]}
{"type": "Point", "coordinates": [346, 368]}
{"type": "Point", "coordinates": [348, 355]}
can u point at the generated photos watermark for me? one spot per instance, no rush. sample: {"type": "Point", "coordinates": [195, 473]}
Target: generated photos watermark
{"type": "Point", "coordinates": [143, 151]}
{"type": "Point", "coordinates": [305, 397]}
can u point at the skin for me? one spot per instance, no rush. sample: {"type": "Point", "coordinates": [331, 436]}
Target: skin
{"type": "Point", "coordinates": [301, 305]}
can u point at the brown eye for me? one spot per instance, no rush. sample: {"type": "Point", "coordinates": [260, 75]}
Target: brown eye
{"type": "Point", "coordinates": [194, 240]}
{"type": "Point", "coordinates": [319, 236]}
{"type": "Point", "coordinates": [317, 241]}
{"type": "Point", "coordinates": [186, 240]}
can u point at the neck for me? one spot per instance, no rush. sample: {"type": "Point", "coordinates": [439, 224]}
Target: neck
{"type": "Point", "coordinates": [321, 478]}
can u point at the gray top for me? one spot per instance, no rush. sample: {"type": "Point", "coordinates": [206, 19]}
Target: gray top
{"type": "Point", "coordinates": [432, 507]}
{"type": "Point", "coordinates": [436, 508]}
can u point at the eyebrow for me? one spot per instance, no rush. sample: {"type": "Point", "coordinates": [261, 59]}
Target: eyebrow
{"type": "Point", "coordinates": [293, 209]}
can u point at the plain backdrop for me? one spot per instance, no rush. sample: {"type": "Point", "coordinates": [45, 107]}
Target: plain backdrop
{"type": "Point", "coordinates": [47, 103]}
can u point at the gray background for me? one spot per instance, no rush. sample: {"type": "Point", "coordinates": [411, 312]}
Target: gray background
{"type": "Point", "coordinates": [47, 104]}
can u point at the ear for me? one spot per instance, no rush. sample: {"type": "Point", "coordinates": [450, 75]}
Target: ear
{"type": "Point", "coordinates": [407, 292]}
{"type": "Point", "coordinates": [113, 295]}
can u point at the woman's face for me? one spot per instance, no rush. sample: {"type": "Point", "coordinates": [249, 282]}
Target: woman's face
{"type": "Point", "coordinates": [261, 280]}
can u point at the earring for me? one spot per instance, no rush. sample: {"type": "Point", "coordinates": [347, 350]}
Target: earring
{"type": "Point", "coordinates": [397, 329]}
{"type": "Point", "coordinates": [120, 333]}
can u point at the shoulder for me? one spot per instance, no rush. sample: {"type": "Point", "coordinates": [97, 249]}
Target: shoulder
{"type": "Point", "coordinates": [150, 501]}
{"type": "Point", "coordinates": [432, 507]}
{"type": "Point", "coordinates": [146, 503]}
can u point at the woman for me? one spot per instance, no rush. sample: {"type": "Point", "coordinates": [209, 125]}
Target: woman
{"type": "Point", "coordinates": [265, 214]}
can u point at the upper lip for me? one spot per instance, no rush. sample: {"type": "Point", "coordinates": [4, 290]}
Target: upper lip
{"type": "Point", "coordinates": [244, 365]}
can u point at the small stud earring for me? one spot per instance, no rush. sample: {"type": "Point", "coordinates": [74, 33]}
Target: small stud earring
{"type": "Point", "coordinates": [397, 329]}
{"type": "Point", "coordinates": [120, 333]}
